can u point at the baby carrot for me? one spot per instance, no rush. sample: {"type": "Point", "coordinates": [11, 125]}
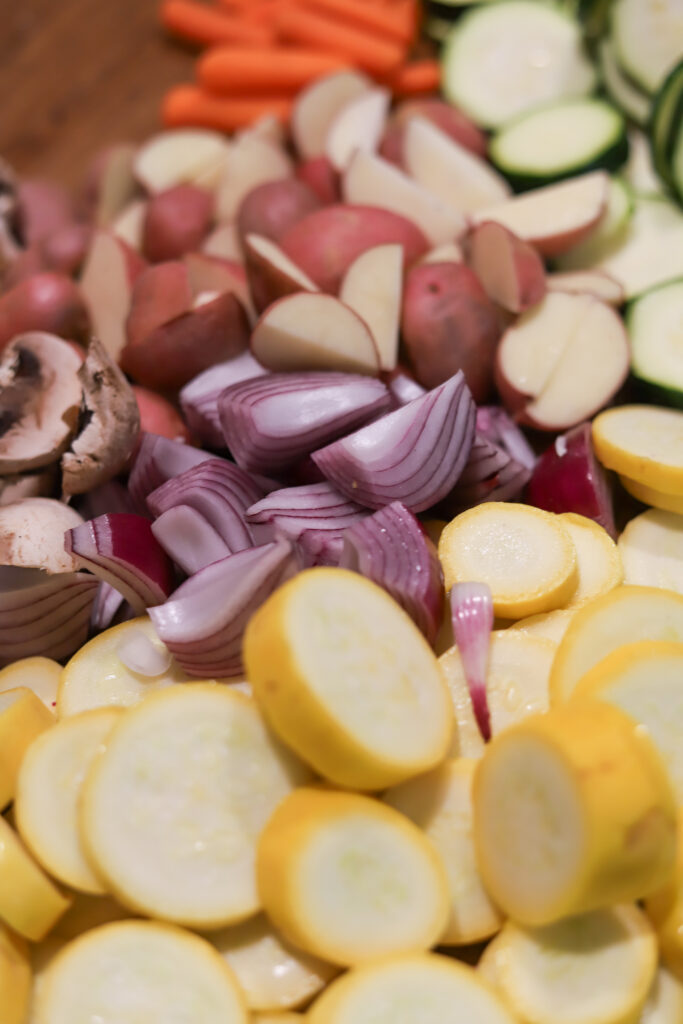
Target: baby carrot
{"type": "Point", "coordinates": [395, 24]}
{"type": "Point", "coordinates": [231, 70]}
{"type": "Point", "coordinates": [199, 23]}
{"type": "Point", "coordinates": [415, 79]}
{"type": "Point", "coordinates": [370, 52]}
{"type": "Point", "coordinates": [190, 106]}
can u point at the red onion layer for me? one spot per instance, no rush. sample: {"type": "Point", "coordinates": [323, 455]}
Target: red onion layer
{"type": "Point", "coordinates": [203, 623]}
{"type": "Point", "coordinates": [472, 615]}
{"type": "Point", "coordinates": [413, 455]}
{"type": "Point", "coordinates": [220, 491]}
{"type": "Point", "coordinates": [313, 517]}
{"type": "Point", "coordinates": [391, 548]}
{"type": "Point", "coordinates": [122, 550]}
{"type": "Point", "coordinates": [157, 461]}
{"type": "Point", "coordinates": [199, 398]}
{"type": "Point", "coordinates": [43, 615]}
{"type": "Point", "coordinates": [272, 422]}
{"type": "Point", "coordinates": [189, 539]}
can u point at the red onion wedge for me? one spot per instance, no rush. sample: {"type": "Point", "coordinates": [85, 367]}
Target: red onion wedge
{"type": "Point", "coordinates": [272, 422]}
{"type": "Point", "coordinates": [122, 550]}
{"type": "Point", "coordinates": [472, 615]}
{"type": "Point", "coordinates": [108, 601]}
{"type": "Point", "coordinates": [189, 539]}
{"type": "Point", "coordinates": [203, 623]}
{"type": "Point", "coordinates": [313, 517]}
{"type": "Point", "coordinates": [402, 387]}
{"type": "Point", "coordinates": [157, 461]}
{"type": "Point", "coordinates": [220, 491]}
{"type": "Point", "coordinates": [199, 398]}
{"type": "Point", "coordinates": [43, 615]}
{"type": "Point", "coordinates": [391, 548]}
{"type": "Point", "coordinates": [499, 464]}
{"type": "Point", "coordinates": [569, 478]}
{"type": "Point", "coordinates": [413, 455]}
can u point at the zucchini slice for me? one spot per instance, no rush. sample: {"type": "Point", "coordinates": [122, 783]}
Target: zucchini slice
{"type": "Point", "coordinates": [649, 39]}
{"type": "Point", "coordinates": [665, 124]}
{"type": "Point", "coordinates": [655, 327]}
{"type": "Point", "coordinates": [627, 96]}
{"type": "Point", "coordinates": [559, 141]}
{"type": "Point", "coordinates": [503, 59]}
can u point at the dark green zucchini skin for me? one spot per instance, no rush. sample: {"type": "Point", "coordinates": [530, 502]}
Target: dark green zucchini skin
{"type": "Point", "coordinates": [611, 159]}
{"type": "Point", "coordinates": [666, 125]}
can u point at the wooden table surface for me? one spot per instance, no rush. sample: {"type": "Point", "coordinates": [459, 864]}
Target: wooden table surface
{"type": "Point", "coordinates": [78, 74]}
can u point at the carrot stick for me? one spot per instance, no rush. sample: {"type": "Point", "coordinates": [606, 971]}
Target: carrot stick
{"type": "Point", "coordinates": [416, 79]}
{"type": "Point", "coordinates": [308, 28]}
{"type": "Point", "coordinates": [189, 106]}
{"type": "Point", "coordinates": [229, 70]}
{"type": "Point", "coordinates": [395, 24]}
{"type": "Point", "coordinates": [199, 23]}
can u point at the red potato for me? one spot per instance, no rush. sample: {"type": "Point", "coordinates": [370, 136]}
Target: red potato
{"type": "Point", "coordinates": [569, 478]}
{"type": "Point", "coordinates": [110, 270]}
{"type": "Point", "coordinates": [448, 323]}
{"type": "Point", "coordinates": [65, 249]}
{"type": "Point", "coordinates": [44, 207]}
{"type": "Point", "coordinates": [272, 208]}
{"type": "Point", "coordinates": [224, 242]}
{"type": "Point", "coordinates": [110, 183]}
{"type": "Point", "coordinates": [159, 416]}
{"type": "Point", "coordinates": [45, 302]}
{"type": "Point", "coordinates": [28, 263]}
{"type": "Point", "coordinates": [325, 243]}
{"type": "Point", "coordinates": [510, 270]}
{"type": "Point", "coordinates": [319, 174]}
{"type": "Point", "coordinates": [271, 273]}
{"type": "Point", "coordinates": [213, 274]}
{"type": "Point", "coordinates": [176, 221]}
{"type": "Point", "coordinates": [562, 361]}
{"type": "Point", "coordinates": [318, 104]}
{"type": "Point", "coordinates": [178, 350]}
{"type": "Point", "coordinates": [446, 117]}
{"type": "Point", "coordinates": [160, 293]}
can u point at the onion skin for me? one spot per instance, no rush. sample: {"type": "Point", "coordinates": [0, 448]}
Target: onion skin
{"type": "Point", "coordinates": [414, 454]}
{"type": "Point", "coordinates": [121, 549]}
{"type": "Point", "coordinates": [203, 623]}
{"type": "Point", "coordinates": [272, 422]}
{"type": "Point", "coordinates": [391, 549]}
{"type": "Point", "coordinates": [569, 478]}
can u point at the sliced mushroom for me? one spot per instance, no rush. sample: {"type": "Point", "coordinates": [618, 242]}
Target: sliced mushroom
{"type": "Point", "coordinates": [112, 424]}
{"type": "Point", "coordinates": [40, 395]}
{"type": "Point", "coordinates": [41, 484]}
{"type": "Point", "coordinates": [32, 534]}
{"type": "Point", "coordinates": [10, 226]}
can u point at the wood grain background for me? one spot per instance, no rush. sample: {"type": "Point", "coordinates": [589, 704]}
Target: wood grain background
{"type": "Point", "coordinates": [78, 74]}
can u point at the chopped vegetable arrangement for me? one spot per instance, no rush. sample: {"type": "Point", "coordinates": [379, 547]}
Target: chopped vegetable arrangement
{"type": "Point", "coordinates": [341, 530]}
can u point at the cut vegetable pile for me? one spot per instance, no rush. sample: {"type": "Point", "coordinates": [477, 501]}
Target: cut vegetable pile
{"type": "Point", "coordinates": [341, 531]}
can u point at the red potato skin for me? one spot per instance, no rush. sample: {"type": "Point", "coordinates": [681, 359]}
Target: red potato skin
{"type": "Point", "coordinates": [325, 243]}
{"type": "Point", "coordinates": [273, 208]}
{"type": "Point", "coordinates": [448, 323]}
{"type": "Point", "coordinates": [319, 174]}
{"type": "Point", "coordinates": [489, 243]}
{"type": "Point", "coordinates": [176, 221]}
{"type": "Point", "coordinates": [45, 302]}
{"type": "Point", "coordinates": [159, 416]}
{"type": "Point", "coordinates": [178, 350]}
{"type": "Point", "coordinates": [267, 283]}
{"type": "Point", "coordinates": [65, 250]}
{"type": "Point", "coordinates": [160, 293]}
{"type": "Point", "coordinates": [569, 478]}
{"type": "Point", "coordinates": [44, 207]}
{"type": "Point", "coordinates": [449, 119]}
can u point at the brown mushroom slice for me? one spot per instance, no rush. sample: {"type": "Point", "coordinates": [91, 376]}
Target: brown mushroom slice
{"type": "Point", "coordinates": [40, 484]}
{"type": "Point", "coordinates": [32, 534]}
{"type": "Point", "coordinates": [40, 395]}
{"type": "Point", "coordinates": [112, 424]}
